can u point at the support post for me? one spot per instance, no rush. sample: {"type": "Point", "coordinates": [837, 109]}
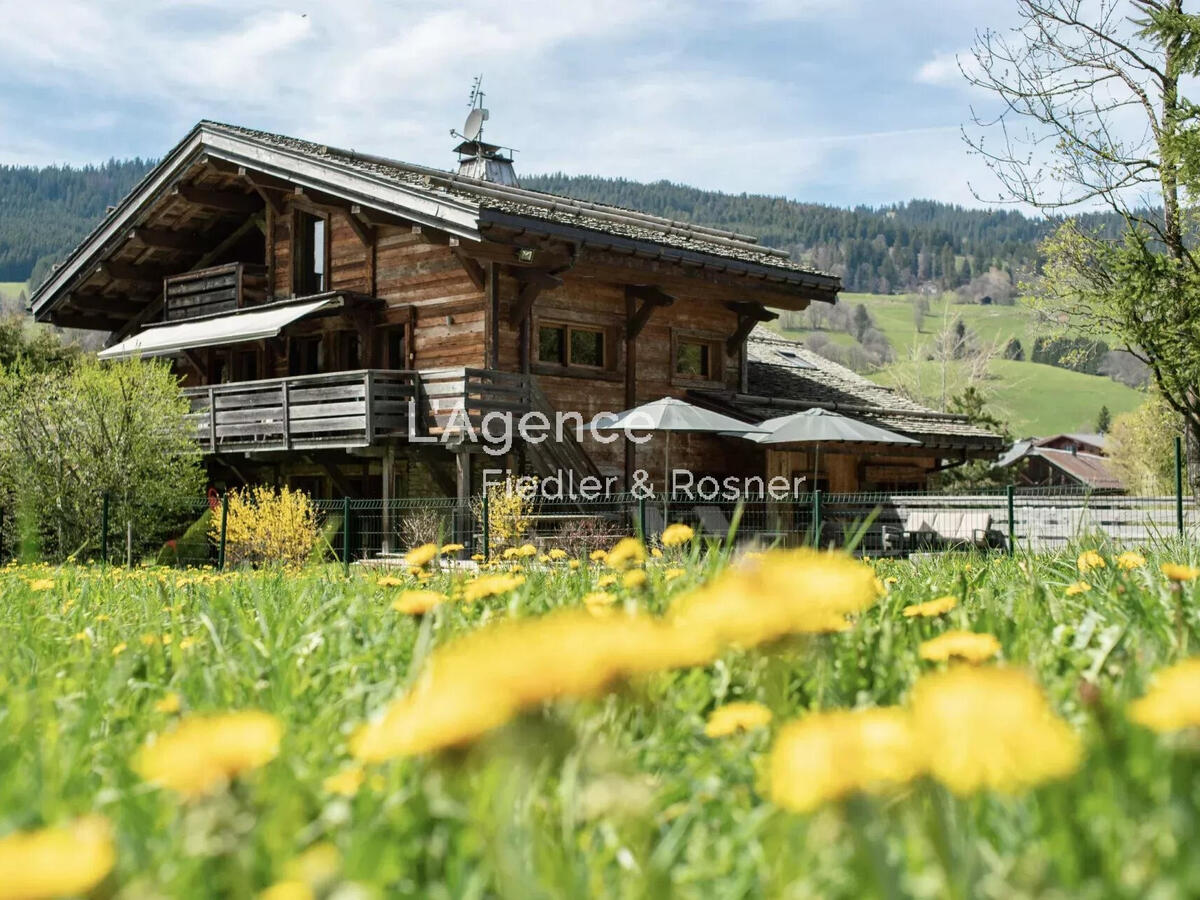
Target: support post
{"type": "Point", "coordinates": [224, 528]}
{"type": "Point", "coordinates": [104, 528]}
{"type": "Point", "coordinates": [642, 517]}
{"type": "Point", "coordinates": [463, 465]}
{"type": "Point", "coordinates": [816, 512]}
{"type": "Point", "coordinates": [388, 473]}
{"type": "Point", "coordinates": [487, 528]}
{"type": "Point", "coordinates": [346, 536]}
{"type": "Point", "coordinates": [1009, 491]}
{"type": "Point", "coordinates": [1179, 484]}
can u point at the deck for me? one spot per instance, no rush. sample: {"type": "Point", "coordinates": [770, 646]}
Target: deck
{"type": "Point", "coordinates": [359, 408]}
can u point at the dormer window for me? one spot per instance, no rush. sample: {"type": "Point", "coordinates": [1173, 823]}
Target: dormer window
{"type": "Point", "coordinates": [312, 254]}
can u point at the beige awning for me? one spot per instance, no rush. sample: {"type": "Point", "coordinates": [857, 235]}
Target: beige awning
{"type": "Point", "coordinates": [254, 324]}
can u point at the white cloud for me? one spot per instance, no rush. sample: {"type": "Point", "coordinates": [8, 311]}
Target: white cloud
{"type": "Point", "coordinates": [946, 69]}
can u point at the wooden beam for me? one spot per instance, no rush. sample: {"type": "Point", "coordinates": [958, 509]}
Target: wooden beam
{"type": "Point", "coordinates": [123, 271]}
{"type": "Point", "coordinates": [224, 201]}
{"type": "Point", "coordinates": [196, 363]}
{"type": "Point", "coordinates": [97, 303]}
{"type": "Point", "coordinates": [749, 314]}
{"type": "Point", "coordinates": [364, 230]}
{"type": "Point", "coordinates": [266, 187]}
{"type": "Point", "coordinates": [652, 298]}
{"type": "Point", "coordinates": [532, 284]}
{"type": "Point", "coordinates": [473, 269]}
{"type": "Point", "coordinates": [163, 239]}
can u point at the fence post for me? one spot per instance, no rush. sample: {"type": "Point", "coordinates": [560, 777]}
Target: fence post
{"type": "Point", "coordinates": [486, 525]}
{"type": "Point", "coordinates": [816, 514]}
{"type": "Point", "coordinates": [1179, 484]}
{"type": "Point", "coordinates": [104, 527]}
{"type": "Point", "coordinates": [224, 526]}
{"type": "Point", "coordinates": [346, 536]}
{"type": "Point", "coordinates": [1012, 520]}
{"type": "Point", "coordinates": [641, 522]}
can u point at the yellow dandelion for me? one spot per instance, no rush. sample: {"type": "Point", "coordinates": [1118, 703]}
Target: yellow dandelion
{"type": "Point", "coordinates": [1130, 560]}
{"type": "Point", "coordinates": [82, 637]}
{"type": "Point", "coordinates": [419, 557]}
{"type": "Point", "coordinates": [187, 643]}
{"type": "Point", "coordinates": [931, 608]}
{"type": "Point", "coordinates": [316, 866]}
{"type": "Point", "coordinates": [478, 557]}
{"type": "Point", "coordinates": [390, 581]}
{"type": "Point", "coordinates": [1089, 560]}
{"type": "Point", "coordinates": [345, 783]}
{"type": "Point", "coordinates": [734, 717]}
{"type": "Point", "coordinates": [990, 729]}
{"type": "Point", "coordinates": [625, 553]}
{"type": "Point", "coordinates": [599, 603]}
{"type": "Point", "coordinates": [417, 603]}
{"type": "Point", "coordinates": [1173, 701]}
{"type": "Point", "coordinates": [510, 553]}
{"type": "Point", "coordinates": [597, 555]}
{"type": "Point", "coordinates": [672, 574]}
{"type": "Point", "coordinates": [1178, 572]}
{"type": "Point", "coordinates": [829, 756]}
{"type": "Point", "coordinates": [1077, 587]}
{"type": "Point", "coordinates": [676, 534]}
{"type": "Point", "coordinates": [205, 751]}
{"type": "Point", "coordinates": [168, 703]}
{"type": "Point", "coordinates": [557, 553]}
{"type": "Point", "coordinates": [634, 579]}
{"type": "Point", "coordinates": [167, 639]}
{"type": "Point", "coordinates": [288, 890]}
{"type": "Point", "coordinates": [784, 592]}
{"type": "Point", "coordinates": [491, 586]}
{"type": "Point", "coordinates": [41, 584]}
{"type": "Point", "coordinates": [65, 860]}
{"type": "Point", "coordinates": [120, 648]}
{"type": "Point", "coordinates": [452, 548]}
{"type": "Point", "coordinates": [606, 581]}
{"type": "Point", "coordinates": [966, 645]}
{"type": "Point", "coordinates": [525, 551]}
{"type": "Point", "coordinates": [150, 640]}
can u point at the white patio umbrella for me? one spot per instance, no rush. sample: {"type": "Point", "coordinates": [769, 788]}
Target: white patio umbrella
{"type": "Point", "coordinates": [822, 426]}
{"type": "Point", "coordinates": [669, 415]}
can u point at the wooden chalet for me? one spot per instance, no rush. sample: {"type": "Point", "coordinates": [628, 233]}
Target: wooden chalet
{"type": "Point", "coordinates": [306, 294]}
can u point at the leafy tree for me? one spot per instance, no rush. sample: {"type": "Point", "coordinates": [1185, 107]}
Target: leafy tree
{"type": "Point", "coordinates": [67, 438]}
{"type": "Point", "coordinates": [1103, 420]}
{"type": "Point", "coordinates": [862, 321]}
{"type": "Point", "coordinates": [1014, 350]}
{"type": "Point", "coordinates": [978, 473]}
{"type": "Point", "coordinates": [1141, 447]}
{"type": "Point", "coordinates": [1094, 111]}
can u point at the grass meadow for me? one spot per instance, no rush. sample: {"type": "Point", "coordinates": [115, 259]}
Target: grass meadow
{"type": "Point", "coordinates": [526, 768]}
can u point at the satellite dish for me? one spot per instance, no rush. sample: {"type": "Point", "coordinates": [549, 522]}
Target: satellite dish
{"type": "Point", "coordinates": [474, 126]}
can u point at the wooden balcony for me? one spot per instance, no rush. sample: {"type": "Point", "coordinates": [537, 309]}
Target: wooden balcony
{"type": "Point", "coordinates": [348, 409]}
{"type": "Point", "coordinates": [216, 289]}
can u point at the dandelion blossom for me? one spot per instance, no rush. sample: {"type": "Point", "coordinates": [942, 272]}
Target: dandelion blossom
{"type": "Point", "coordinates": [931, 608]}
{"type": "Point", "coordinates": [451, 548]}
{"type": "Point", "coordinates": [417, 603]}
{"type": "Point", "coordinates": [1089, 560]}
{"type": "Point", "coordinates": [206, 751]}
{"type": "Point", "coordinates": [598, 555]}
{"type": "Point", "coordinates": [491, 586]}
{"type": "Point", "coordinates": [599, 603]}
{"type": "Point", "coordinates": [634, 579]}
{"type": "Point", "coordinates": [419, 557]}
{"type": "Point", "coordinates": [67, 859]}
{"type": "Point", "coordinates": [1130, 560]}
{"type": "Point", "coordinates": [1077, 587]}
{"type": "Point", "coordinates": [41, 584]}
{"type": "Point", "coordinates": [557, 553]}
{"type": "Point", "coordinates": [288, 890]}
{"type": "Point", "coordinates": [990, 729]}
{"type": "Point", "coordinates": [831, 755]}
{"type": "Point", "coordinates": [734, 717]}
{"type": "Point", "coordinates": [627, 552]}
{"type": "Point", "coordinates": [345, 783]}
{"type": "Point", "coordinates": [1173, 701]}
{"type": "Point", "coordinates": [676, 534]}
{"type": "Point", "coordinates": [168, 703]}
{"type": "Point", "coordinates": [966, 645]}
{"type": "Point", "coordinates": [1177, 572]}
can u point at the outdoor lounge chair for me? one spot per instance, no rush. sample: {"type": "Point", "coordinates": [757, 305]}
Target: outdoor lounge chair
{"type": "Point", "coordinates": [712, 520]}
{"type": "Point", "coordinates": [949, 527]}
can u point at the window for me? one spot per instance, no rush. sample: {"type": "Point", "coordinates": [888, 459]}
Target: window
{"type": "Point", "coordinates": [311, 257]}
{"type": "Point", "coordinates": [245, 365]}
{"type": "Point", "coordinates": [568, 345]}
{"type": "Point", "coordinates": [394, 356]}
{"type": "Point", "coordinates": [552, 344]}
{"type": "Point", "coordinates": [304, 355]}
{"type": "Point", "coordinates": [693, 359]}
{"type": "Point", "coordinates": [351, 347]}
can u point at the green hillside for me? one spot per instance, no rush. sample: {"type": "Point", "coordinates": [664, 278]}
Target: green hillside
{"type": "Point", "coordinates": [1035, 399]}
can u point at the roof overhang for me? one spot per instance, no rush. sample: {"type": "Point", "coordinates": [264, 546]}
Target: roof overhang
{"type": "Point", "coordinates": [254, 324]}
{"type": "Point", "coordinates": [330, 176]}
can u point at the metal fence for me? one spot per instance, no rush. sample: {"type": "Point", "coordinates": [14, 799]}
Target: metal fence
{"type": "Point", "coordinates": [872, 524]}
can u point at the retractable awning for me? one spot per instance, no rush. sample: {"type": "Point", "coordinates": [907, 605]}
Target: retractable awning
{"type": "Point", "coordinates": [252, 324]}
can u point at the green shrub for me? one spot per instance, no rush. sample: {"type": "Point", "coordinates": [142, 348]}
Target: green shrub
{"type": "Point", "coordinates": [192, 548]}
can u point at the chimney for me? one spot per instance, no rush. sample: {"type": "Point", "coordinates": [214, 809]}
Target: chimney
{"type": "Point", "coordinates": [476, 157]}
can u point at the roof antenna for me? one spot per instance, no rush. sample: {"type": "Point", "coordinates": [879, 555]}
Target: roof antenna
{"type": "Point", "coordinates": [477, 158]}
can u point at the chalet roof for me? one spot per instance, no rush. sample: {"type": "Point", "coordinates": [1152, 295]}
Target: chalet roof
{"type": "Point", "coordinates": [1089, 469]}
{"type": "Point", "coordinates": [784, 375]}
{"type": "Point", "coordinates": [463, 207]}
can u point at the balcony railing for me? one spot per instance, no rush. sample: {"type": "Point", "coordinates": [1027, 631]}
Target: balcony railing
{"type": "Point", "coordinates": [216, 289]}
{"type": "Point", "coordinates": [349, 409]}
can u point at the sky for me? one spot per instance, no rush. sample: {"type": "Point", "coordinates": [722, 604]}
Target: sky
{"type": "Point", "coordinates": [835, 101]}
